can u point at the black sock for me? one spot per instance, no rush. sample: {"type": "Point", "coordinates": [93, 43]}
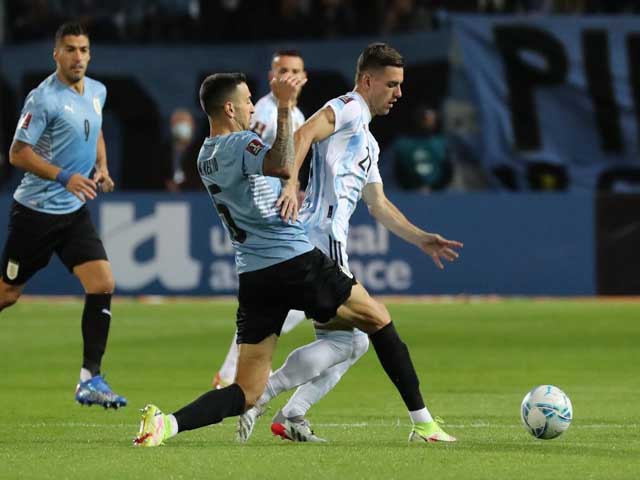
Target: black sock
{"type": "Point", "coordinates": [396, 361]}
{"type": "Point", "coordinates": [211, 408]}
{"type": "Point", "coordinates": [96, 318]}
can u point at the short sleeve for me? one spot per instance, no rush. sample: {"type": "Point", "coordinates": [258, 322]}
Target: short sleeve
{"type": "Point", "coordinates": [347, 112]}
{"type": "Point", "coordinates": [33, 119]}
{"type": "Point", "coordinates": [253, 153]}
{"type": "Point", "coordinates": [103, 95]}
{"type": "Point", "coordinates": [374, 174]}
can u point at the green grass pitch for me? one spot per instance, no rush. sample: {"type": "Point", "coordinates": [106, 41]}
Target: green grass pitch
{"type": "Point", "coordinates": [476, 361]}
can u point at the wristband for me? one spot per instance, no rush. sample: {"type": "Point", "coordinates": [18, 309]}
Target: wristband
{"type": "Point", "coordinates": [63, 177]}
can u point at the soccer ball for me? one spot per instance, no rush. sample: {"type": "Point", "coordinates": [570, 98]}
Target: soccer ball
{"type": "Point", "coordinates": [546, 412]}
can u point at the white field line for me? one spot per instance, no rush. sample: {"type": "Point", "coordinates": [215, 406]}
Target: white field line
{"type": "Point", "coordinates": [595, 426]}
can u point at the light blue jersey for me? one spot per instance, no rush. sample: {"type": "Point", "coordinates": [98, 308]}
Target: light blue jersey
{"type": "Point", "coordinates": [231, 169]}
{"type": "Point", "coordinates": [62, 127]}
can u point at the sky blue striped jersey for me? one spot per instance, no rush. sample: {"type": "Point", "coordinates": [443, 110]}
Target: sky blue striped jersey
{"type": "Point", "coordinates": [231, 169]}
{"type": "Point", "coordinates": [62, 127]}
{"type": "Point", "coordinates": [341, 166]}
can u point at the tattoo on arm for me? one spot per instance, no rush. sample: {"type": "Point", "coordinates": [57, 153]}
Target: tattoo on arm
{"type": "Point", "coordinates": [283, 148]}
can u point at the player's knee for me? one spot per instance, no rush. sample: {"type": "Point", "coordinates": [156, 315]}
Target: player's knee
{"type": "Point", "coordinates": [305, 362]}
{"type": "Point", "coordinates": [360, 346]}
{"type": "Point", "coordinates": [340, 341]}
{"type": "Point", "coordinates": [105, 284]}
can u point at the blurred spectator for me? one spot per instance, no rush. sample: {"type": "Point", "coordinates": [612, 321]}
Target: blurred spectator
{"type": "Point", "coordinates": [2, 21]}
{"type": "Point", "coordinates": [291, 20]}
{"type": "Point", "coordinates": [180, 167]}
{"type": "Point", "coordinates": [30, 20]}
{"type": "Point", "coordinates": [140, 21]}
{"type": "Point", "coordinates": [333, 18]}
{"type": "Point", "coordinates": [404, 16]}
{"type": "Point", "coordinates": [421, 159]}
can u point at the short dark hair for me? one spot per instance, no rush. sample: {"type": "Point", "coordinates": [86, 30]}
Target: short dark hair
{"type": "Point", "coordinates": [376, 56]}
{"type": "Point", "coordinates": [70, 28]}
{"type": "Point", "coordinates": [217, 88]}
{"type": "Point", "coordinates": [287, 52]}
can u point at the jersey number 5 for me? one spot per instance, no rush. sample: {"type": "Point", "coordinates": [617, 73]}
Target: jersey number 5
{"type": "Point", "coordinates": [237, 234]}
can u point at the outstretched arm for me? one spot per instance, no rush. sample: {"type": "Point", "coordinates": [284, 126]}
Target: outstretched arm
{"type": "Point", "coordinates": [317, 128]}
{"type": "Point", "coordinates": [385, 212]}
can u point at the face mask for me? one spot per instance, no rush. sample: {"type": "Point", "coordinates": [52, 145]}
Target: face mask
{"type": "Point", "coordinates": [182, 131]}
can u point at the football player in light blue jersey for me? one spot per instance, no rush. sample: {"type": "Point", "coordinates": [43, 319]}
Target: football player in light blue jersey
{"type": "Point", "coordinates": [344, 169]}
{"type": "Point", "coordinates": [264, 122]}
{"type": "Point", "coordinates": [245, 197]}
{"type": "Point", "coordinates": [59, 142]}
{"type": "Point", "coordinates": [274, 277]}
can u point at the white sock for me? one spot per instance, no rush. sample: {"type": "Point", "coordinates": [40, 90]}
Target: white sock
{"type": "Point", "coordinates": [309, 361]}
{"type": "Point", "coordinates": [229, 366]}
{"type": "Point", "coordinates": [293, 318]}
{"type": "Point", "coordinates": [421, 416]}
{"type": "Point", "coordinates": [311, 392]}
{"type": "Point", "coordinates": [173, 425]}
{"type": "Point", "coordinates": [85, 375]}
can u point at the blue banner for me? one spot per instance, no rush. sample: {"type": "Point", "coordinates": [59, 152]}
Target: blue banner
{"type": "Point", "coordinates": [514, 244]}
{"type": "Point", "coordinates": [558, 97]}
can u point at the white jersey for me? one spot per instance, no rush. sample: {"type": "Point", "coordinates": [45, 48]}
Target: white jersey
{"type": "Point", "coordinates": [341, 166]}
{"type": "Point", "coordinates": [264, 121]}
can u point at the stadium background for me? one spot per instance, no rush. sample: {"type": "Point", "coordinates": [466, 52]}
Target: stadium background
{"type": "Point", "coordinates": [517, 134]}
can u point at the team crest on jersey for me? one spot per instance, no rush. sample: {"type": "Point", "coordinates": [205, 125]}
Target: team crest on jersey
{"type": "Point", "coordinates": [254, 147]}
{"type": "Point", "coordinates": [345, 99]}
{"type": "Point", "coordinates": [25, 121]}
{"type": "Point", "coordinates": [12, 269]}
{"type": "Point", "coordinates": [96, 106]}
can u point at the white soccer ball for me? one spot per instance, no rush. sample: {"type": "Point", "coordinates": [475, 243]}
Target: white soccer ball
{"type": "Point", "coordinates": [546, 412]}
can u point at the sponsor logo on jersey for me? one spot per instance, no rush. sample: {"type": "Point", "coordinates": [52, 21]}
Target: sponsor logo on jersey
{"type": "Point", "coordinates": [345, 99]}
{"type": "Point", "coordinates": [255, 146]}
{"type": "Point", "coordinates": [25, 121]}
{"type": "Point", "coordinates": [96, 106]}
{"type": "Point", "coordinates": [12, 269]}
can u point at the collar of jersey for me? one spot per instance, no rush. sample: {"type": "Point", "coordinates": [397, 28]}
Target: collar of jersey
{"type": "Point", "coordinates": [65, 87]}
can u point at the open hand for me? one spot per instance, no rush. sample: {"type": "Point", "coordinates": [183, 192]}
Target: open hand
{"type": "Point", "coordinates": [82, 187]}
{"type": "Point", "coordinates": [438, 247]}
{"type": "Point", "coordinates": [288, 202]}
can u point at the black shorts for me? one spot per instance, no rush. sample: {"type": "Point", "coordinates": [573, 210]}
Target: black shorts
{"type": "Point", "coordinates": [311, 282]}
{"type": "Point", "coordinates": [34, 236]}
